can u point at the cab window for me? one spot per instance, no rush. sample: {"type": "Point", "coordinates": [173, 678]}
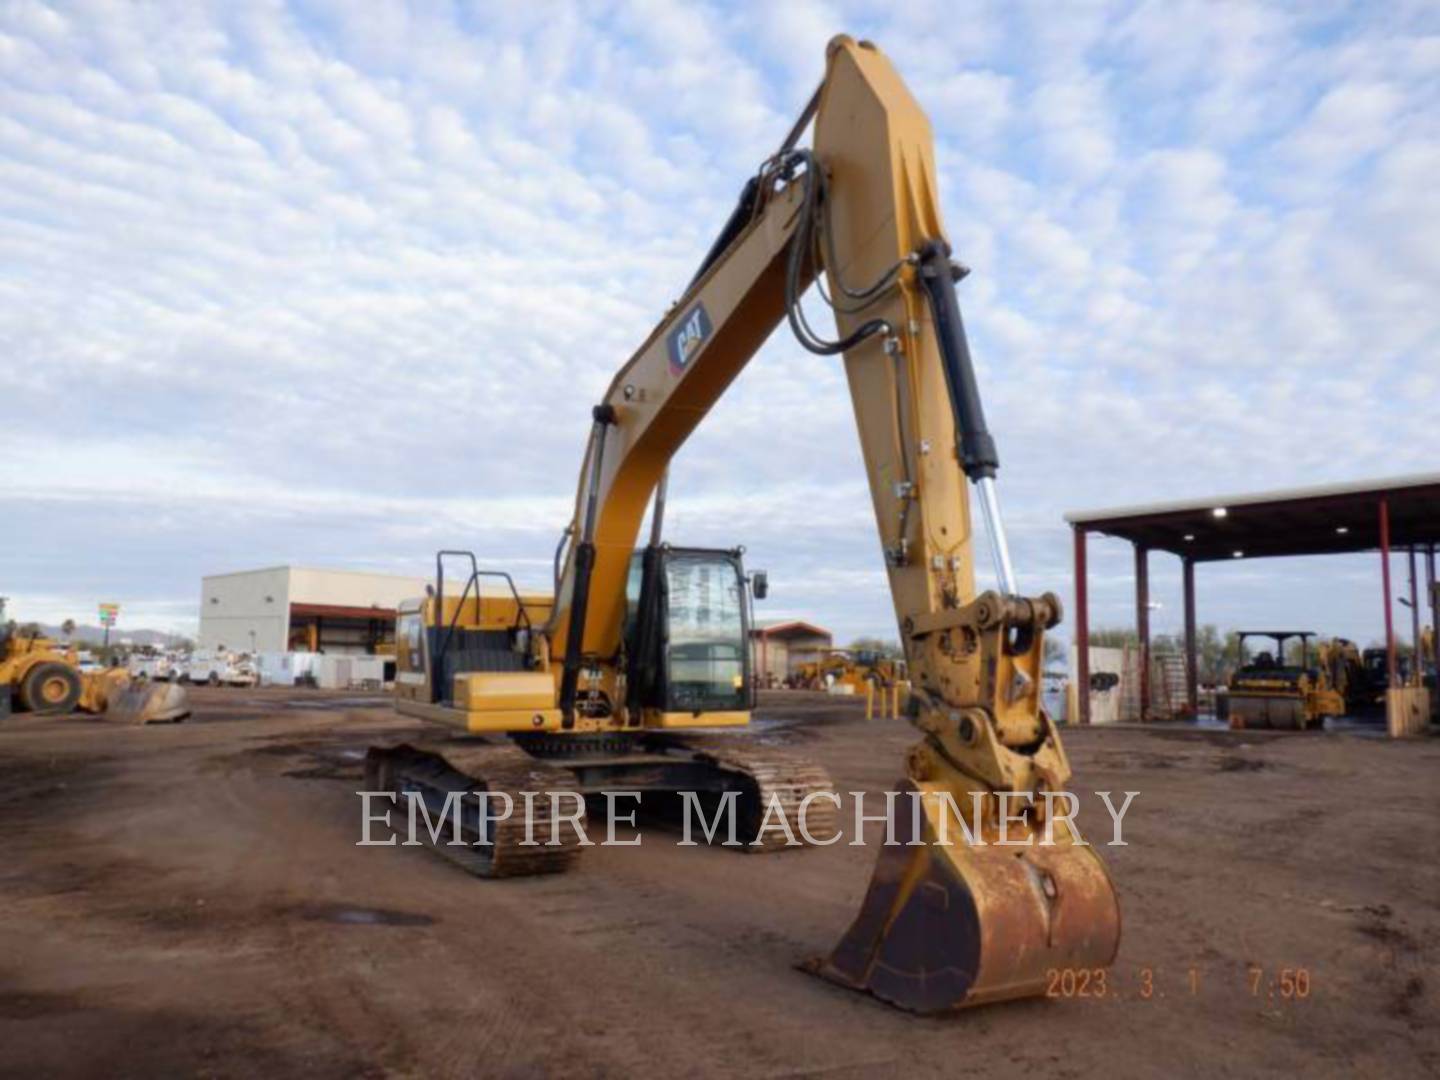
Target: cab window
{"type": "Point", "coordinates": [705, 650]}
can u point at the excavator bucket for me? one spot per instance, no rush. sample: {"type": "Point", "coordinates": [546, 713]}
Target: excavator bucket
{"type": "Point", "coordinates": [144, 702]}
{"type": "Point", "coordinates": [947, 925]}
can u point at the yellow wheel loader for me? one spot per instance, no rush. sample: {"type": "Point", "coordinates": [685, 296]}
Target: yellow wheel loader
{"type": "Point", "coordinates": [38, 675]}
{"type": "Point", "coordinates": [633, 672]}
{"type": "Point", "coordinates": [854, 668]}
{"type": "Point", "coordinates": [832, 666]}
{"type": "Point", "coordinates": [1269, 693]}
{"type": "Point", "coordinates": [862, 668]}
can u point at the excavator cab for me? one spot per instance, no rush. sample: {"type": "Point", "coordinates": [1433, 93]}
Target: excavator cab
{"type": "Point", "coordinates": [686, 628]}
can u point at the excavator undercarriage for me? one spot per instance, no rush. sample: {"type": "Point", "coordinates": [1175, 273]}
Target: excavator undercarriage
{"type": "Point", "coordinates": [561, 774]}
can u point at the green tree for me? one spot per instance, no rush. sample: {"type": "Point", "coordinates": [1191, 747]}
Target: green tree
{"type": "Point", "coordinates": [1209, 650]}
{"type": "Point", "coordinates": [1112, 637]}
{"type": "Point", "coordinates": [1231, 656]}
{"type": "Point", "coordinates": [1295, 653]}
{"type": "Point", "coordinates": [1167, 645]}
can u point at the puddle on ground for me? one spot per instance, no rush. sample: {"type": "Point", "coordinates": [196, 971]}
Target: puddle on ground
{"type": "Point", "coordinates": [1233, 763]}
{"type": "Point", "coordinates": [770, 731]}
{"type": "Point", "coordinates": [348, 915]}
{"type": "Point", "coordinates": [331, 764]}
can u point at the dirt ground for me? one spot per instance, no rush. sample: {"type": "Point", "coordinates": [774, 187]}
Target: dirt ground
{"type": "Point", "coordinates": [190, 900]}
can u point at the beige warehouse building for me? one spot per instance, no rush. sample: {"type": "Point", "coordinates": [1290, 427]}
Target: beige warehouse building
{"type": "Point", "coordinates": [777, 649]}
{"type": "Point", "coordinates": [284, 608]}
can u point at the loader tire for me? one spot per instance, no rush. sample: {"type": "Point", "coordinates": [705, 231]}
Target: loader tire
{"type": "Point", "coordinates": [50, 688]}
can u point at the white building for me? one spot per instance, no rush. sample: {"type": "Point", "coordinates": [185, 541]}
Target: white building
{"type": "Point", "coordinates": [291, 607]}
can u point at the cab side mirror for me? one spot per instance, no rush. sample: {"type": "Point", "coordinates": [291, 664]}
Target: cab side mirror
{"type": "Point", "coordinates": [760, 584]}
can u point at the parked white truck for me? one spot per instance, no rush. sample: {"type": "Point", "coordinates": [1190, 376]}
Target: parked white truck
{"type": "Point", "coordinates": [219, 669]}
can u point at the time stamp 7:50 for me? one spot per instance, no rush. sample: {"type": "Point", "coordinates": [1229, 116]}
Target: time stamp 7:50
{"type": "Point", "coordinates": [1151, 984]}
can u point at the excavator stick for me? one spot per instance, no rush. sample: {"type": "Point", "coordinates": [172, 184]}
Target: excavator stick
{"type": "Point", "coordinates": [945, 925]}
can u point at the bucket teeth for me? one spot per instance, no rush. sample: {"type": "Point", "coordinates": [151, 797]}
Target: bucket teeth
{"type": "Point", "coordinates": [946, 926]}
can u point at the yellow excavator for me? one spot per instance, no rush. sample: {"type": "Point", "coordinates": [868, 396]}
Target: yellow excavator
{"type": "Point", "coordinates": [1410, 669]}
{"type": "Point", "coordinates": [629, 673]}
{"type": "Point", "coordinates": [40, 676]}
{"type": "Point", "coordinates": [1343, 666]}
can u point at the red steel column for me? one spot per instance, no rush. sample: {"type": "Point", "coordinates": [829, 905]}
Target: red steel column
{"type": "Point", "coordinates": [1082, 628]}
{"type": "Point", "coordinates": [1417, 665]}
{"type": "Point", "coordinates": [1142, 624]}
{"type": "Point", "coordinates": [1434, 612]}
{"type": "Point", "coordinates": [1385, 584]}
{"type": "Point", "coordinates": [1192, 670]}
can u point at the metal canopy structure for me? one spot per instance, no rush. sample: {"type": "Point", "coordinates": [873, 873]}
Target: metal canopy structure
{"type": "Point", "coordinates": [1330, 520]}
{"type": "Point", "coordinates": [1377, 515]}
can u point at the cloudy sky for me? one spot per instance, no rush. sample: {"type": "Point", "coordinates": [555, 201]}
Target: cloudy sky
{"type": "Point", "coordinates": [336, 284]}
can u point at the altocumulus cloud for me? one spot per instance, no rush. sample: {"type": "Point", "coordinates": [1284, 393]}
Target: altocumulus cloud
{"type": "Point", "coordinates": [337, 284]}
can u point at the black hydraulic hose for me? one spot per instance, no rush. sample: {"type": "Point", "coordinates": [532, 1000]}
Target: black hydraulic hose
{"type": "Point", "coordinates": [559, 550]}
{"type": "Point", "coordinates": [870, 292]}
{"type": "Point", "coordinates": [794, 264]}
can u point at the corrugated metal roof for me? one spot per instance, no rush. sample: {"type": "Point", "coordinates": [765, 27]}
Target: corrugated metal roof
{"type": "Point", "coordinates": [789, 626]}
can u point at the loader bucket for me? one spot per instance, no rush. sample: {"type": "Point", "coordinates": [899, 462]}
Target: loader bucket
{"type": "Point", "coordinates": [149, 703]}
{"type": "Point", "coordinates": [946, 926]}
